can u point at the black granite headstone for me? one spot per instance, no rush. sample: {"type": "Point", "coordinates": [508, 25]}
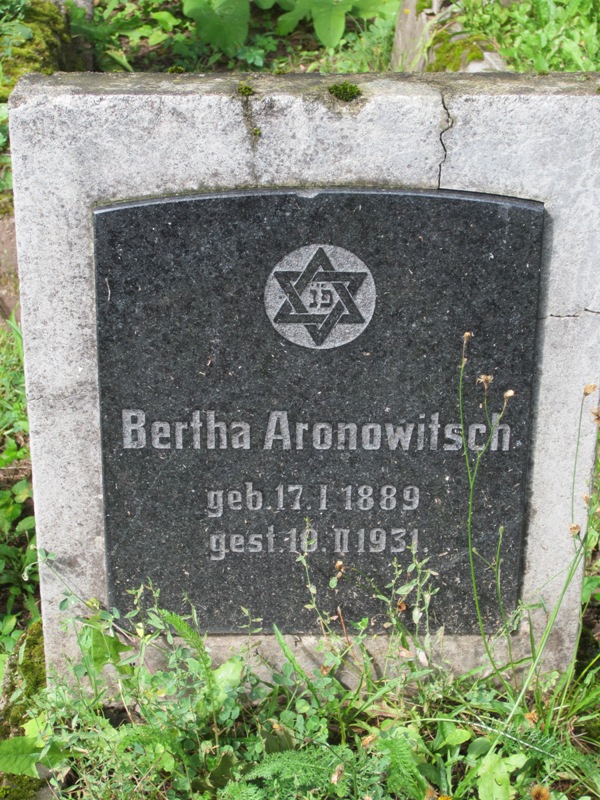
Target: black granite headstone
{"type": "Point", "coordinates": [279, 374]}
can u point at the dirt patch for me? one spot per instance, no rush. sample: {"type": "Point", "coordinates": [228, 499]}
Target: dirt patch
{"type": "Point", "coordinates": [9, 277]}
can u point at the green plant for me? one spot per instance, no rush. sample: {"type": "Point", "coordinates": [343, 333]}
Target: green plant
{"type": "Point", "coordinates": [144, 34]}
{"type": "Point", "coordinates": [368, 48]}
{"type": "Point", "coordinates": [18, 559]}
{"type": "Point", "coordinates": [543, 35]}
{"type": "Point", "coordinates": [140, 35]}
{"type": "Point", "coordinates": [13, 413]}
{"type": "Point", "coordinates": [12, 33]}
{"type": "Point", "coordinates": [5, 170]}
{"type": "Point", "coordinates": [328, 16]}
{"type": "Point", "coordinates": [222, 24]}
{"type": "Point", "coordinates": [42, 44]}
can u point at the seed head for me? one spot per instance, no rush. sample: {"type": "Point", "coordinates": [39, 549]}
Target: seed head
{"type": "Point", "coordinates": [509, 393]}
{"type": "Point", "coordinates": [574, 529]}
{"type": "Point", "coordinates": [589, 389]}
{"type": "Point", "coordinates": [532, 717]}
{"type": "Point", "coordinates": [337, 774]}
{"type": "Point", "coordinates": [596, 415]}
{"type": "Point", "coordinates": [466, 336]}
{"type": "Point", "coordinates": [540, 792]}
{"type": "Point", "coordinates": [485, 381]}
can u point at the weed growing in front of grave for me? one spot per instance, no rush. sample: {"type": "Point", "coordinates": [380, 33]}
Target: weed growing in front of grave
{"type": "Point", "coordinates": [472, 472]}
{"type": "Point", "coordinates": [183, 728]}
{"type": "Point", "coordinates": [549, 693]}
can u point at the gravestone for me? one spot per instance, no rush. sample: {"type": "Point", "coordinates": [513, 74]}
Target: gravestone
{"type": "Point", "coordinates": [244, 321]}
{"type": "Point", "coordinates": [277, 376]}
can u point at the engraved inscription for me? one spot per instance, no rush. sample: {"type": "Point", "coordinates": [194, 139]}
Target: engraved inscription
{"type": "Point", "coordinates": [210, 431]}
{"type": "Point", "coordinates": [340, 542]}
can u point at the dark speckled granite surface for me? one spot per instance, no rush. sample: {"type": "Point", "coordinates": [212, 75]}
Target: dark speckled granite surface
{"type": "Point", "coordinates": [279, 371]}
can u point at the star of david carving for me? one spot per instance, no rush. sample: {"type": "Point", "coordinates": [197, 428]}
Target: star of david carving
{"type": "Point", "coordinates": [319, 324]}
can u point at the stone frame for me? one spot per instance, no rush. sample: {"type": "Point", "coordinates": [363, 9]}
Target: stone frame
{"type": "Point", "coordinates": [82, 140]}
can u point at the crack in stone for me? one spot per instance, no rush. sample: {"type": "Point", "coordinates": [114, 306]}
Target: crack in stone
{"type": "Point", "coordinates": [450, 123]}
{"type": "Point", "coordinates": [576, 315]}
{"type": "Point", "coordinates": [250, 123]}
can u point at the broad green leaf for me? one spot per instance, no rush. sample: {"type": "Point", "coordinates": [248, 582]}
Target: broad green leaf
{"type": "Point", "coordinates": [26, 524]}
{"type": "Point", "coordinates": [374, 8]}
{"type": "Point", "coordinates": [265, 3]}
{"type": "Point", "coordinates": [223, 24]}
{"type": "Point", "coordinates": [120, 58]}
{"type": "Point", "coordinates": [19, 755]}
{"type": "Point", "coordinates": [329, 18]}
{"type": "Point", "coordinates": [574, 52]}
{"type": "Point", "coordinates": [591, 587]}
{"type": "Point", "coordinates": [449, 735]}
{"type": "Point", "coordinates": [288, 21]}
{"type": "Point", "coordinates": [540, 63]}
{"type": "Point", "coordinates": [494, 775]}
{"type": "Point", "coordinates": [229, 675]}
{"type": "Point", "coordinates": [8, 624]}
{"type": "Point", "coordinates": [515, 761]}
{"type": "Point", "coordinates": [102, 648]}
{"type": "Point", "coordinates": [139, 32]}
{"type": "Point", "coordinates": [479, 747]}
{"type": "Point", "coordinates": [22, 491]}
{"type": "Point", "coordinates": [157, 37]}
{"type": "Point", "coordinates": [165, 19]}
{"type": "Point", "coordinates": [226, 678]}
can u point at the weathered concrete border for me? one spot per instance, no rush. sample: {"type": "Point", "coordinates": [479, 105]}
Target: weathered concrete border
{"type": "Point", "coordinates": [78, 141]}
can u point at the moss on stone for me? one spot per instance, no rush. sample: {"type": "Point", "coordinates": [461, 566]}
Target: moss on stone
{"type": "Point", "coordinates": [245, 90]}
{"type": "Point", "coordinates": [48, 50]}
{"type": "Point", "coordinates": [19, 787]}
{"type": "Point", "coordinates": [29, 676]}
{"type": "Point", "coordinates": [345, 91]}
{"type": "Point", "coordinates": [451, 53]}
{"type": "Point", "coordinates": [6, 204]}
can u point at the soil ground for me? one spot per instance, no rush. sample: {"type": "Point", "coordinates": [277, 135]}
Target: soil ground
{"type": "Point", "coordinates": [9, 281]}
